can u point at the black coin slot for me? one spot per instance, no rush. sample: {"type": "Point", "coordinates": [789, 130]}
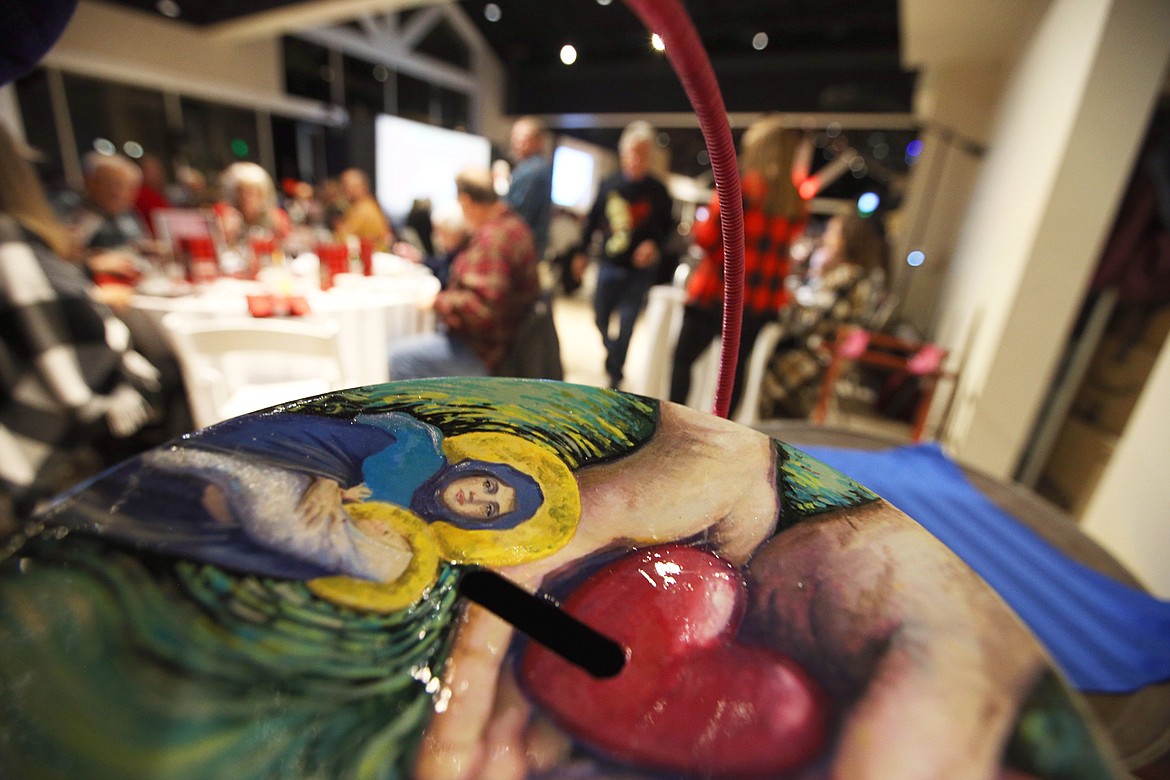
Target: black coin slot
{"type": "Point", "coordinates": [544, 622]}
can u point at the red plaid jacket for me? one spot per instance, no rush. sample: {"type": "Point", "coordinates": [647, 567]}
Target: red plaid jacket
{"type": "Point", "coordinates": [766, 243]}
{"type": "Point", "coordinates": [493, 283]}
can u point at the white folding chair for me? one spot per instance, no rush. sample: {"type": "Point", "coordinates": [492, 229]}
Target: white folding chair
{"type": "Point", "coordinates": [753, 378]}
{"type": "Point", "coordinates": [652, 351]}
{"type": "Point", "coordinates": [653, 354]}
{"type": "Point", "coordinates": [232, 366]}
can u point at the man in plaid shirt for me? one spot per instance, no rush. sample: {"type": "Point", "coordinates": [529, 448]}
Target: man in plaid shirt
{"type": "Point", "coordinates": [493, 285]}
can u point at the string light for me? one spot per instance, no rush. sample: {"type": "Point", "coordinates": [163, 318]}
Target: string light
{"type": "Point", "coordinates": [867, 203]}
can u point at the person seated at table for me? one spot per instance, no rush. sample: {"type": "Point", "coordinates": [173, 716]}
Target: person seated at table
{"type": "Point", "coordinates": [73, 388]}
{"type": "Point", "coordinates": [106, 225]}
{"type": "Point", "coordinates": [419, 226]}
{"type": "Point", "coordinates": [363, 216]}
{"type": "Point", "coordinates": [248, 205]}
{"type": "Point", "coordinates": [189, 189]}
{"type": "Point", "coordinates": [845, 290]}
{"type": "Point", "coordinates": [450, 235]}
{"type": "Point", "coordinates": [493, 283]}
{"type": "Point", "coordinates": [304, 210]}
{"type": "Point", "coordinates": [152, 192]}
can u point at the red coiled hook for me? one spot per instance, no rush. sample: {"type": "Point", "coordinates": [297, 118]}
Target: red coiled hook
{"type": "Point", "coordinates": [670, 20]}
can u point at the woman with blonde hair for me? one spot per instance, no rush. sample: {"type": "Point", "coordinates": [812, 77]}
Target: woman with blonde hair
{"type": "Point", "coordinates": [65, 360]}
{"type": "Point", "coordinates": [774, 217]}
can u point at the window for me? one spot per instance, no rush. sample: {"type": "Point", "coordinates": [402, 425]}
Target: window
{"type": "Point", "coordinates": [307, 72]}
{"type": "Point", "coordinates": [117, 117]}
{"type": "Point", "coordinates": [36, 113]}
{"type": "Point", "coordinates": [365, 85]}
{"type": "Point", "coordinates": [454, 109]}
{"type": "Point", "coordinates": [444, 43]}
{"type": "Point", "coordinates": [216, 136]}
{"type": "Point", "coordinates": [414, 98]}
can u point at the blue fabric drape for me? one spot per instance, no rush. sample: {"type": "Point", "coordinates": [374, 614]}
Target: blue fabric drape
{"type": "Point", "coordinates": [1107, 637]}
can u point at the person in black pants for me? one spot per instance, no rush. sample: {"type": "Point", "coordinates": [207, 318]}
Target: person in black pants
{"type": "Point", "coordinates": [774, 217]}
{"type": "Point", "coordinates": [633, 216]}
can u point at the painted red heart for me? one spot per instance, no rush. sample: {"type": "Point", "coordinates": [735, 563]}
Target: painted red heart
{"type": "Point", "coordinates": [691, 698]}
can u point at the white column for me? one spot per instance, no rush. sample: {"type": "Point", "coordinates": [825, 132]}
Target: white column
{"type": "Point", "coordinates": [1073, 114]}
{"type": "Point", "coordinates": [1129, 513]}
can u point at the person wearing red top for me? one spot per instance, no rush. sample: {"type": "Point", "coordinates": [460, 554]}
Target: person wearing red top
{"type": "Point", "coordinates": [151, 195]}
{"type": "Point", "coordinates": [774, 216]}
{"type": "Point", "coordinates": [493, 284]}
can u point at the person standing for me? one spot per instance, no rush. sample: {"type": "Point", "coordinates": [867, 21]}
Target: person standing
{"type": "Point", "coordinates": [632, 214]}
{"type": "Point", "coordinates": [530, 193]}
{"type": "Point", "coordinates": [493, 283]}
{"type": "Point", "coordinates": [774, 216]}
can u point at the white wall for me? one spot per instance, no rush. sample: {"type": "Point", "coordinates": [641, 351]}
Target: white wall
{"type": "Point", "coordinates": [1072, 116]}
{"type": "Point", "coordinates": [110, 42]}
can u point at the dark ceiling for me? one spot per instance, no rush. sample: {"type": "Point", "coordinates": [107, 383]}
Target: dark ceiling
{"type": "Point", "coordinates": [820, 57]}
{"type": "Point", "coordinates": [825, 57]}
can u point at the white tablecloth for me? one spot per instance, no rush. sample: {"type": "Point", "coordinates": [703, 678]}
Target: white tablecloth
{"type": "Point", "coordinates": [372, 312]}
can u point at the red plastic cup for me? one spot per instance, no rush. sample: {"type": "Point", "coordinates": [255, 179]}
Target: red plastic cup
{"type": "Point", "coordinates": [260, 305]}
{"type": "Point", "coordinates": [334, 258]}
{"type": "Point", "coordinates": [202, 262]}
{"type": "Point", "coordinates": [367, 253]}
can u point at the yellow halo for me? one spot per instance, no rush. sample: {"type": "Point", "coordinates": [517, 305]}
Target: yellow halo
{"type": "Point", "coordinates": [550, 527]}
{"type": "Point", "coordinates": [386, 597]}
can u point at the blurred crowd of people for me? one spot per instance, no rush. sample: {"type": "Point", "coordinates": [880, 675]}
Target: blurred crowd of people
{"type": "Point", "coordinates": [86, 251]}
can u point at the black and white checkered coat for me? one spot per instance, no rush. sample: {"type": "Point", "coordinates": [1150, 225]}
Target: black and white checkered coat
{"type": "Point", "coordinates": [61, 355]}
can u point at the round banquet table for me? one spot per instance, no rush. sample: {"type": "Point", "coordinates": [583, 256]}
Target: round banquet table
{"type": "Point", "coordinates": [1138, 722]}
{"type": "Point", "coordinates": [370, 317]}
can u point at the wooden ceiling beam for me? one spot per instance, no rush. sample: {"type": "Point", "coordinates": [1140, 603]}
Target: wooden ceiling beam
{"type": "Point", "coordinates": [301, 16]}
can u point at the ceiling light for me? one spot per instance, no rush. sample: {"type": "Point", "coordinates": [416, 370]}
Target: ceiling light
{"type": "Point", "coordinates": [604, 2]}
{"type": "Point", "coordinates": [168, 8]}
{"type": "Point", "coordinates": [492, 12]}
{"type": "Point", "coordinates": [568, 54]}
{"type": "Point", "coordinates": [760, 41]}
{"type": "Point", "coordinates": [656, 42]}
{"type": "Point", "coordinates": [133, 149]}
